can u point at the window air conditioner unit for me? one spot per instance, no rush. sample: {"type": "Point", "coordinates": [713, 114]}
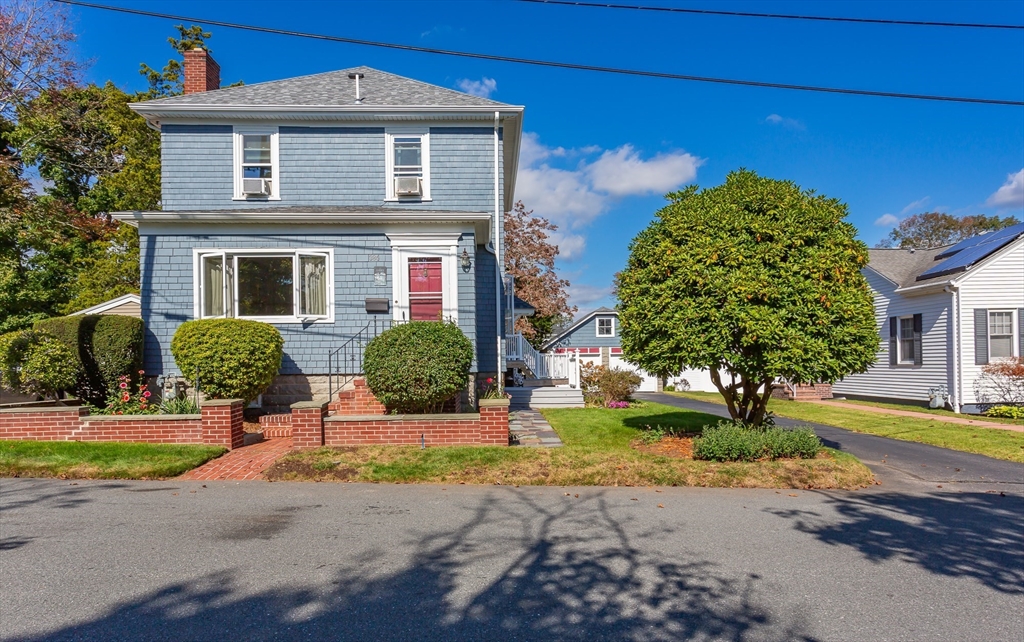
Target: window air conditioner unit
{"type": "Point", "coordinates": [408, 186]}
{"type": "Point", "coordinates": [256, 187]}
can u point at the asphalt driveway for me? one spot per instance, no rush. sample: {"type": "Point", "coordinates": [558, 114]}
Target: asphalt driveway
{"type": "Point", "coordinates": [897, 464]}
{"type": "Point", "coordinates": [303, 561]}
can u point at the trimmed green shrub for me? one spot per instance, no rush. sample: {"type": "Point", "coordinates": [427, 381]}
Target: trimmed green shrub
{"type": "Point", "coordinates": [730, 441]}
{"type": "Point", "coordinates": [1007, 412]}
{"type": "Point", "coordinates": [669, 388]}
{"type": "Point", "coordinates": [36, 363]}
{"type": "Point", "coordinates": [104, 348]}
{"type": "Point", "coordinates": [415, 367]}
{"type": "Point", "coordinates": [230, 358]}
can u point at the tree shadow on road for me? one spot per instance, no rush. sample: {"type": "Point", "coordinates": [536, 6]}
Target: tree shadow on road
{"type": "Point", "coordinates": [555, 579]}
{"type": "Point", "coordinates": [977, 535]}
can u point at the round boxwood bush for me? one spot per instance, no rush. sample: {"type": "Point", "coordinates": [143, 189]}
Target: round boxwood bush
{"type": "Point", "coordinates": [230, 358]}
{"type": "Point", "coordinates": [36, 363]}
{"type": "Point", "coordinates": [415, 367]}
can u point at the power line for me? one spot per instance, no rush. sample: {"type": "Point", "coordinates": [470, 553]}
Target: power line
{"type": "Point", "coordinates": [782, 16]}
{"type": "Point", "coordinates": [549, 63]}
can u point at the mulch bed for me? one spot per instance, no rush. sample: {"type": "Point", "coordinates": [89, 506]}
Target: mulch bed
{"type": "Point", "coordinates": [679, 447]}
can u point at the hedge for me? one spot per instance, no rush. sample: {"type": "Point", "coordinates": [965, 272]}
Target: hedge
{"type": "Point", "coordinates": [36, 363]}
{"type": "Point", "coordinates": [228, 358]}
{"type": "Point", "coordinates": [104, 346]}
{"type": "Point", "coordinates": [417, 366]}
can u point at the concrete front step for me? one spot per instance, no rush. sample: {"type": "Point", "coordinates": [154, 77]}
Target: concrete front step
{"type": "Point", "coordinates": [547, 397]}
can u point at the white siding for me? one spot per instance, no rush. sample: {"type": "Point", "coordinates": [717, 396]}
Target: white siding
{"type": "Point", "coordinates": [995, 285]}
{"type": "Point", "coordinates": [905, 382]}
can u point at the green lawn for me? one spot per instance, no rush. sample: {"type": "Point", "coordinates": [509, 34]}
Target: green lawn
{"type": "Point", "coordinates": [100, 460]}
{"type": "Point", "coordinates": [597, 451]}
{"type": "Point", "coordinates": [992, 442]}
{"type": "Point", "coordinates": [941, 412]}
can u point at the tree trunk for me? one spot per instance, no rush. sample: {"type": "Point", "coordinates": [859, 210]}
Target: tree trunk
{"type": "Point", "coordinates": [750, 405]}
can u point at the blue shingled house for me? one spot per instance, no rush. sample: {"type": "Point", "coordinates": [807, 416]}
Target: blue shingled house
{"type": "Point", "coordinates": [330, 206]}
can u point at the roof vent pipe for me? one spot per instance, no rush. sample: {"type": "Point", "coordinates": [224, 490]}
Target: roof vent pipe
{"type": "Point", "coordinates": [356, 77]}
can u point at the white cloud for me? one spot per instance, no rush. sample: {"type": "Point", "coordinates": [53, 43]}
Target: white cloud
{"type": "Point", "coordinates": [887, 220]}
{"type": "Point", "coordinates": [573, 198]}
{"type": "Point", "coordinates": [792, 123]}
{"type": "Point", "coordinates": [1011, 194]}
{"type": "Point", "coordinates": [584, 296]}
{"type": "Point", "coordinates": [622, 172]}
{"type": "Point", "coordinates": [916, 205]}
{"type": "Point", "coordinates": [482, 88]}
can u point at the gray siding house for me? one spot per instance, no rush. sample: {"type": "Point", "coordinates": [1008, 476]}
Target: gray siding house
{"type": "Point", "coordinates": [330, 206]}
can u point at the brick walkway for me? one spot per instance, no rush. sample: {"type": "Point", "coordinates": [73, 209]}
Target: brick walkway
{"type": "Point", "coordinates": [963, 421]}
{"type": "Point", "coordinates": [247, 462]}
{"type": "Point", "coordinates": [532, 430]}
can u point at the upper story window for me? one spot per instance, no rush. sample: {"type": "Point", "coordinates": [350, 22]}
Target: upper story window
{"type": "Point", "coordinates": [408, 164]}
{"type": "Point", "coordinates": [256, 163]}
{"type": "Point", "coordinates": [281, 286]}
{"type": "Point", "coordinates": [1000, 334]}
{"type": "Point", "coordinates": [606, 327]}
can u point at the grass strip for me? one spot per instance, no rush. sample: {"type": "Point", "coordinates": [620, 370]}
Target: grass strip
{"type": "Point", "coordinates": [101, 460]}
{"type": "Point", "coordinates": [597, 452]}
{"type": "Point", "coordinates": [991, 442]}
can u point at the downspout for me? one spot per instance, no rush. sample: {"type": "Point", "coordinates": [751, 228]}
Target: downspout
{"type": "Point", "coordinates": [498, 316]}
{"type": "Point", "coordinates": [958, 400]}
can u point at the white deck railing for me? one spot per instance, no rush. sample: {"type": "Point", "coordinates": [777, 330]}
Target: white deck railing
{"type": "Point", "coordinates": [563, 365]}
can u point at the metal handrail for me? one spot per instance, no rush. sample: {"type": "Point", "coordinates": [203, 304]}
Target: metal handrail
{"type": "Point", "coordinates": [348, 357]}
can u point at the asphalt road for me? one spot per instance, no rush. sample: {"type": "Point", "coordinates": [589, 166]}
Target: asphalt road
{"type": "Point", "coordinates": [903, 465]}
{"type": "Point", "coordinates": [303, 561]}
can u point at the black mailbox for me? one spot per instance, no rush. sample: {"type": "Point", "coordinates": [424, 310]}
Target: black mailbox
{"type": "Point", "coordinates": [377, 306]}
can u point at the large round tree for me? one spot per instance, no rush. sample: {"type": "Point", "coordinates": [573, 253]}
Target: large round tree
{"type": "Point", "coordinates": [755, 280]}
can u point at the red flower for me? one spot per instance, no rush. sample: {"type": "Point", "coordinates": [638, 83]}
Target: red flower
{"type": "Point", "coordinates": [125, 397]}
{"type": "Point", "coordinates": [490, 379]}
{"type": "Point", "coordinates": [147, 394]}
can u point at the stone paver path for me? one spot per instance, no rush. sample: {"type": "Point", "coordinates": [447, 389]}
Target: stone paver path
{"type": "Point", "coordinates": [963, 421]}
{"type": "Point", "coordinates": [247, 462]}
{"type": "Point", "coordinates": [532, 430]}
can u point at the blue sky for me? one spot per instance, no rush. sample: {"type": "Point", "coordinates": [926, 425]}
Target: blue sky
{"type": "Point", "coordinates": [601, 150]}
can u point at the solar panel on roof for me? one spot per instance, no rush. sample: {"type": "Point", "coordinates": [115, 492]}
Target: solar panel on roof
{"type": "Point", "coordinates": [971, 251]}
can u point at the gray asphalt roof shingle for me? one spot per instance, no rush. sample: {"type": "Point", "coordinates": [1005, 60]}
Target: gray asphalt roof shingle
{"type": "Point", "coordinates": [902, 266]}
{"type": "Point", "coordinates": [333, 89]}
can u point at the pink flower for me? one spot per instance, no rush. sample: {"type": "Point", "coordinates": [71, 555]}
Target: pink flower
{"type": "Point", "coordinates": [123, 385]}
{"type": "Point", "coordinates": [147, 394]}
{"type": "Point", "coordinates": [142, 372]}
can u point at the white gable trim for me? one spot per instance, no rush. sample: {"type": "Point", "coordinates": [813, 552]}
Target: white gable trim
{"type": "Point", "coordinates": [100, 308]}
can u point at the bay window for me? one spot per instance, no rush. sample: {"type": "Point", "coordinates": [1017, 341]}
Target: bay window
{"type": "Point", "coordinates": [285, 286]}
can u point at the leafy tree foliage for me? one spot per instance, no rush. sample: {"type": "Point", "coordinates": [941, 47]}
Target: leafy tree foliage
{"type": "Point", "coordinates": [36, 41]}
{"type": "Point", "coordinates": [935, 229]}
{"type": "Point", "coordinates": [530, 258]}
{"type": "Point", "coordinates": [170, 81]}
{"type": "Point", "coordinates": [755, 280]}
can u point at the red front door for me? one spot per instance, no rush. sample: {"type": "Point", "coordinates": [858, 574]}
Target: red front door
{"type": "Point", "coordinates": [425, 295]}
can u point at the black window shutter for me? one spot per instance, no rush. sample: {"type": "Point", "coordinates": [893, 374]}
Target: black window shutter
{"type": "Point", "coordinates": [918, 328]}
{"type": "Point", "coordinates": [1020, 332]}
{"type": "Point", "coordinates": [980, 337]}
{"type": "Point", "coordinates": [894, 347]}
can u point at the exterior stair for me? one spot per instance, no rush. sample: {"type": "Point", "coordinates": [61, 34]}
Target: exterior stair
{"type": "Point", "coordinates": [544, 397]}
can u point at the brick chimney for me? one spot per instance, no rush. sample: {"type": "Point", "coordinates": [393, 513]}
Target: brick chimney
{"type": "Point", "coordinates": [202, 73]}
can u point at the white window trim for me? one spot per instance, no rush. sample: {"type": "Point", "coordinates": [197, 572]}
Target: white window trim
{"type": "Point", "coordinates": [416, 246]}
{"type": "Point", "coordinates": [1014, 339]}
{"type": "Point", "coordinates": [275, 162]}
{"type": "Point", "coordinates": [597, 326]}
{"type": "Point", "coordinates": [197, 299]}
{"type": "Point", "coordinates": [900, 361]}
{"type": "Point", "coordinates": [389, 162]}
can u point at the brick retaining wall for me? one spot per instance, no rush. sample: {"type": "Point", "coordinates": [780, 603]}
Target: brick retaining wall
{"type": "Point", "coordinates": [312, 427]}
{"type": "Point", "coordinates": [220, 423]}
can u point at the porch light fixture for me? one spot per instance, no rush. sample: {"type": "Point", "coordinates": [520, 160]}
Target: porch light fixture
{"type": "Point", "coordinates": [465, 259]}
